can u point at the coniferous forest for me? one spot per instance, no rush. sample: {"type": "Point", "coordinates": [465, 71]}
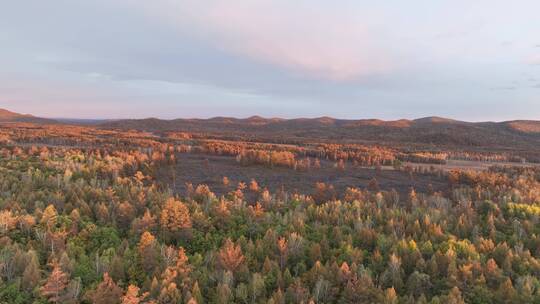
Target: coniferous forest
{"type": "Point", "coordinates": [90, 215]}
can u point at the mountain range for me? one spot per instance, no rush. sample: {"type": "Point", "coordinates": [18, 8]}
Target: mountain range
{"type": "Point", "coordinates": [428, 130]}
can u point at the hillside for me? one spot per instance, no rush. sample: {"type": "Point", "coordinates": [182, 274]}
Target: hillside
{"type": "Point", "coordinates": [429, 130]}
{"type": "Point", "coordinates": [8, 116]}
{"type": "Point", "coordinates": [526, 126]}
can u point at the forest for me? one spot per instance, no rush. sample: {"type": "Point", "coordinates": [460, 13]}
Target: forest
{"type": "Point", "coordinates": [100, 215]}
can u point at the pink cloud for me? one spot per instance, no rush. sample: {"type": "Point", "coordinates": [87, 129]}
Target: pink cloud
{"type": "Point", "coordinates": [534, 60]}
{"type": "Point", "coordinates": [310, 41]}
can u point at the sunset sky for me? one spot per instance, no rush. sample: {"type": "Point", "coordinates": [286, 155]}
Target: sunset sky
{"type": "Point", "coordinates": [470, 60]}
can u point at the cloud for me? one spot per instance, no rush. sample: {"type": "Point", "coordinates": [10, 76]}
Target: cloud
{"type": "Point", "coordinates": [533, 60]}
{"type": "Point", "coordinates": [350, 58]}
{"type": "Point", "coordinates": [309, 40]}
{"type": "Point", "coordinates": [508, 88]}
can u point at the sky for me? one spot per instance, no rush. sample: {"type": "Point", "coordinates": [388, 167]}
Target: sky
{"type": "Point", "coordinates": [470, 60]}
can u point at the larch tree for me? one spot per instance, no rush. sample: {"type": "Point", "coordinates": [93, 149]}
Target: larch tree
{"type": "Point", "coordinates": [170, 294]}
{"type": "Point", "coordinates": [174, 218]}
{"type": "Point", "coordinates": [132, 295]}
{"type": "Point", "coordinates": [390, 296]}
{"type": "Point", "coordinates": [55, 285]}
{"type": "Point", "coordinates": [253, 185]}
{"type": "Point", "coordinates": [7, 221]}
{"type": "Point", "coordinates": [182, 266]}
{"type": "Point", "coordinates": [230, 256]}
{"type": "Point", "coordinates": [124, 215]}
{"type": "Point", "coordinates": [283, 251]}
{"type": "Point", "coordinates": [145, 223]}
{"type": "Point", "coordinates": [148, 251]}
{"type": "Point", "coordinates": [49, 216]}
{"type": "Point", "coordinates": [106, 292]}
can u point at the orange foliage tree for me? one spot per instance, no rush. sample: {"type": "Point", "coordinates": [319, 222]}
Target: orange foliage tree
{"type": "Point", "coordinates": [230, 256]}
{"type": "Point", "coordinates": [174, 218]}
{"type": "Point", "coordinates": [55, 285]}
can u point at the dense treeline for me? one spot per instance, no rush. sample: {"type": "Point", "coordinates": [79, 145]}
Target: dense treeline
{"type": "Point", "coordinates": [358, 154]}
{"type": "Point", "coordinates": [93, 226]}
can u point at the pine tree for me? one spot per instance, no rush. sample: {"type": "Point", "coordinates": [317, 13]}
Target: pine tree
{"type": "Point", "coordinates": [223, 293]}
{"type": "Point", "coordinates": [256, 286]}
{"type": "Point", "coordinates": [196, 293]}
{"type": "Point", "coordinates": [454, 297]}
{"type": "Point", "coordinates": [31, 274]}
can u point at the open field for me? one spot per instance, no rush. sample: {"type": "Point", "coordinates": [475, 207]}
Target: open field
{"type": "Point", "coordinates": [471, 165]}
{"type": "Point", "coordinates": [210, 170]}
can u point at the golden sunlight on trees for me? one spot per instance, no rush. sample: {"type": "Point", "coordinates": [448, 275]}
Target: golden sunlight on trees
{"type": "Point", "coordinates": [106, 292]}
{"type": "Point", "coordinates": [230, 256]}
{"type": "Point", "coordinates": [56, 284]}
{"type": "Point", "coordinates": [132, 295]}
{"type": "Point", "coordinates": [174, 218]}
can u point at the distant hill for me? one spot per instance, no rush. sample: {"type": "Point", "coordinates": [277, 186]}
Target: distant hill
{"type": "Point", "coordinates": [436, 131]}
{"type": "Point", "coordinates": [526, 126]}
{"type": "Point", "coordinates": [81, 121]}
{"type": "Point", "coordinates": [428, 130]}
{"type": "Point", "coordinates": [8, 116]}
